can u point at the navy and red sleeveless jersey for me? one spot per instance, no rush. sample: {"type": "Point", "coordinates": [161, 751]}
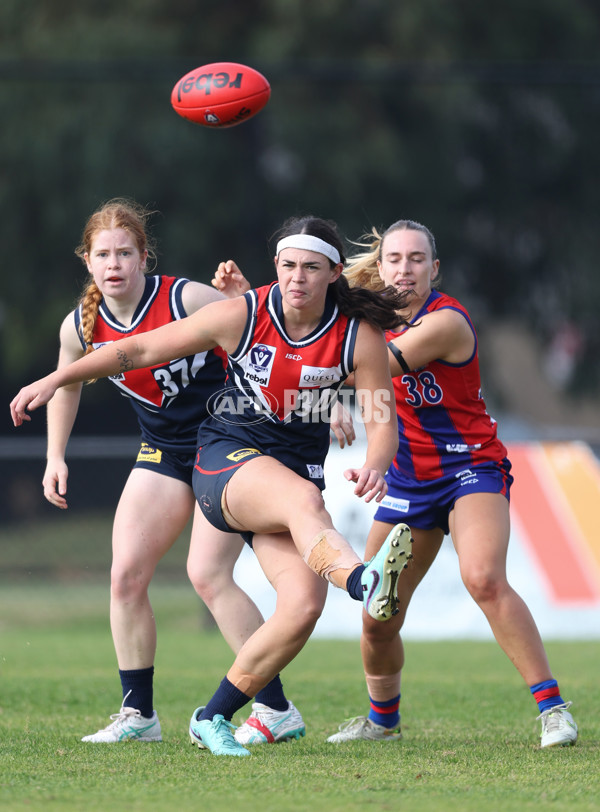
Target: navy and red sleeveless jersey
{"type": "Point", "coordinates": [279, 392]}
{"type": "Point", "coordinates": [442, 419]}
{"type": "Point", "coordinates": [170, 399]}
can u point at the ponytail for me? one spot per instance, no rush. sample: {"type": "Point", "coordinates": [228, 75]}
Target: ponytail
{"type": "Point", "coordinates": [379, 309]}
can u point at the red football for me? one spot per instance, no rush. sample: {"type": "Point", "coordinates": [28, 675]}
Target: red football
{"type": "Point", "coordinates": [221, 94]}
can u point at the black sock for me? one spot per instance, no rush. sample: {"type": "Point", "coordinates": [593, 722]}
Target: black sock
{"type": "Point", "coordinates": [354, 585]}
{"type": "Point", "coordinates": [138, 689]}
{"type": "Point", "coordinates": [272, 695]}
{"type": "Point", "coordinates": [226, 700]}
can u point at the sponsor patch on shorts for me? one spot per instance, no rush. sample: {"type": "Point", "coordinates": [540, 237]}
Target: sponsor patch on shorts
{"type": "Point", "coordinates": [238, 455]}
{"type": "Point", "coordinates": [149, 454]}
{"type": "Point", "coordinates": [315, 471]}
{"type": "Point", "coordinates": [467, 477]}
{"type": "Point", "coordinates": [393, 503]}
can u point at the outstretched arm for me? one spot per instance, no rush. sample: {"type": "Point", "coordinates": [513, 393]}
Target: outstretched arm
{"type": "Point", "coordinates": [219, 323]}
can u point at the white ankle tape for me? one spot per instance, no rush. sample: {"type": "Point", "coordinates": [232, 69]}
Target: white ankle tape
{"type": "Point", "coordinates": [382, 687]}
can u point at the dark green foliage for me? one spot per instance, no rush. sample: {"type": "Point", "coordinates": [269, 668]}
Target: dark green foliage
{"type": "Point", "coordinates": [479, 120]}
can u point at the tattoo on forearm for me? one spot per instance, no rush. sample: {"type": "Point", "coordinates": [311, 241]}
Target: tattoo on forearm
{"type": "Point", "coordinates": [125, 363]}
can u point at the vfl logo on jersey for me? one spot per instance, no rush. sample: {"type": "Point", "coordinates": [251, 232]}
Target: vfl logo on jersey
{"type": "Point", "coordinates": [259, 363]}
{"type": "Point", "coordinates": [315, 471]}
{"type": "Point", "coordinates": [238, 455]}
{"type": "Point", "coordinates": [399, 505]}
{"type": "Point", "coordinates": [318, 376]}
{"type": "Point", "coordinates": [467, 477]}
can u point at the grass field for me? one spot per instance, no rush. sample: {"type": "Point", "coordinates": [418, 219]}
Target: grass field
{"type": "Point", "coordinates": [470, 735]}
{"type": "Point", "coordinates": [470, 739]}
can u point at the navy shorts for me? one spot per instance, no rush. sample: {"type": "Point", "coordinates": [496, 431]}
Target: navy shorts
{"type": "Point", "coordinates": [177, 466]}
{"type": "Point", "coordinates": [215, 464]}
{"type": "Point", "coordinates": [425, 505]}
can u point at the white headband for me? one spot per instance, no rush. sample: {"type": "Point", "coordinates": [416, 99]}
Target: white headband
{"type": "Point", "coordinates": [309, 243]}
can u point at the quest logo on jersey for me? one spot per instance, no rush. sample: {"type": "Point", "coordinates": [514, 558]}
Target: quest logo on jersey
{"type": "Point", "coordinates": [317, 376]}
{"type": "Point", "coordinates": [259, 363]}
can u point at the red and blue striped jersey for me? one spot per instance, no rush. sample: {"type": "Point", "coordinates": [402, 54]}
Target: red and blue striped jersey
{"type": "Point", "coordinates": [443, 423]}
{"type": "Point", "coordinates": [170, 399]}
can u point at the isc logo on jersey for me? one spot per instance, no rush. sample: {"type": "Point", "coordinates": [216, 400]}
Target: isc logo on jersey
{"type": "Point", "coordinates": [318, 376]}
{"type": "Point", "coordinates": [259, 363]}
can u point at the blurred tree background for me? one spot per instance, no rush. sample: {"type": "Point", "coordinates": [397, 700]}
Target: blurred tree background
{"type": "Point", "coordinates": [479, 119]}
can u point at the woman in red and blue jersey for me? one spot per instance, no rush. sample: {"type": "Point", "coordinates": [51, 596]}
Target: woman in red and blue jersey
{"type": "Point", "coordinates": [450, 475]}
